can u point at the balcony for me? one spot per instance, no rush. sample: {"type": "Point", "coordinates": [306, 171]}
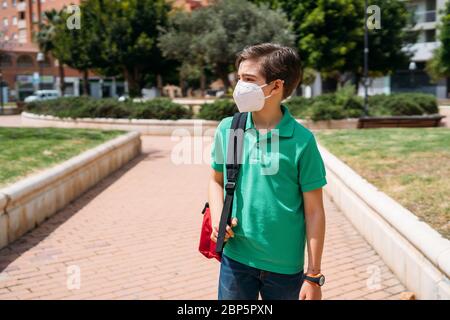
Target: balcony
{"type": "Point", "coordinates": [22, 24]}
{"type": "Point", "coordinates": [21, 6]}
{"type": "Point", "coordinates": [424, 16]}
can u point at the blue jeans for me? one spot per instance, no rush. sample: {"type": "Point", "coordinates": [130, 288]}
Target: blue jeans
{"type": "Point", "coordinates": [238, 281]}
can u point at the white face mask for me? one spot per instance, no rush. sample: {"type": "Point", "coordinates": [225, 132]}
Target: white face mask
{"type": "Point", "coordinates": [249, 96]}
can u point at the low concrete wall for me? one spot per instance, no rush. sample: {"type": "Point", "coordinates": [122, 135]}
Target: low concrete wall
{"type": "Point", "coordinates": [27, 203]}
{"type": "Point", "coordinates": [7, 111]}
{"type": "Point", "coordinates": [349, 123]}
{"type": "Point", "coordinates": [445, 111]}
{"type": "Point", "coordinates": [416, 253]}
{"type": "Point", "coordinates": [195, 127]}
{"type": "Point", "coordinates": [181, 127]}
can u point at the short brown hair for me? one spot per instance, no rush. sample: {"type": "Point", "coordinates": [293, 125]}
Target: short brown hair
{"type": "Point", "coordinates": [277, 62]}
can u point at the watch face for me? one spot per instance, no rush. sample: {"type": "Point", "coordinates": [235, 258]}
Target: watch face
{"type": "Point", "coordinates": [321, 280]}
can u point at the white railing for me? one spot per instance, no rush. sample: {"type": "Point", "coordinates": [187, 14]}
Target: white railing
{"type": "Point", "coordinates": [21, 6]}
{"type": "Point", "coordinates": [425, 16]}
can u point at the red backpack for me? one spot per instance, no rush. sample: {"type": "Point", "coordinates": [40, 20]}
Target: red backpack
{"type": "Point", "coordinates": [207, 247]}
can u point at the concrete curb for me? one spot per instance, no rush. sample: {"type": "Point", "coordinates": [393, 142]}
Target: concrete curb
{"type": "Point", "coordinates": [416, 253]}
{"type": "Point", "coordinates": [27, 203]}
{"type": "Point", "coordinates": [182, 127]}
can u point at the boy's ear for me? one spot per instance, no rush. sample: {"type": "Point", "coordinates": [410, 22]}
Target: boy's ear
{"type": "Point", "coordinates": [279, 85]}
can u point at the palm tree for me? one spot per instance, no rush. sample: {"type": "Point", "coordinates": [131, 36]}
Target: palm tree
{"type": "Point", "coordinates": [45, 40]}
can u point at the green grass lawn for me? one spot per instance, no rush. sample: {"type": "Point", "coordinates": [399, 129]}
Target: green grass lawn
{"type": "Point", "coordinates": [412, 165]}
{"type": "Point", "coordinates": [27, 150]}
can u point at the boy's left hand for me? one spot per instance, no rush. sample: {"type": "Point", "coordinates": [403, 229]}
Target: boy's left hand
{"type": "Point", "coordinates": [310, 291]}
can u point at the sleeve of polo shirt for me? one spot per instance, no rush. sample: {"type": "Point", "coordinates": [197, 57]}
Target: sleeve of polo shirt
{"type": "Point", "coordinates": [312, 169]}
{"type": "Point", "coordinates": [217, 154]}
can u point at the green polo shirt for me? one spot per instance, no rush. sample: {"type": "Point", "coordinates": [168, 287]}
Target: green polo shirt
{"type": "Point", "coordinates": [276, 169]}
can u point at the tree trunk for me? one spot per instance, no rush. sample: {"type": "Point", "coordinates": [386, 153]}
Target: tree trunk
{"type": "Point", "coordinates": [62, 83]}
{"type": "Point", "coordinates": [357, 82]}
{"type": "Point", "coordinates": [222, 71]}
{"type": "Point", "coordinates": [329, 85]}
{"type": "Point", "coordinates": [159, 83]}
{"type": "Point", "coordinates": [202, 82]}
{"type": "Point", "coordinates": [85, 82]}
{"type": "Point", "coordinates": [134, 86]}
{"type": "Point", "coordinates": [181, 84]}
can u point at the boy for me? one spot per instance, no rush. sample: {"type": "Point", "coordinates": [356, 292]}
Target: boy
{"type": "Point", "coordinates": [275, 211]}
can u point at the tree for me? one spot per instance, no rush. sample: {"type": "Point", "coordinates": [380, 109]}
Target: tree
{"type": "Point", "coordinates": [439, 66]}
{"type": "Point", "coordinates": [116, 37]}
{"type": "Point", "coordinates": [330, 36]}
{"type": "Point", "coordinates": [45, 39]}
{"type": "Point", "coordinates": [130, 30]}
{"type": "Point", "coordinates": [211, 36]}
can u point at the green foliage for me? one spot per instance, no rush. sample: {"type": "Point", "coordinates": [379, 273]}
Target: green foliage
{"type": "Point", "coordinates": [84, 107]}
{"type": "Point", "coordinates": [345, 104]}
{"type": "Point", "coordinates": [439, 66]}
{"type": "Point", "coordinates": [160, 108]}
{"type": "Point", "coordinates": [330, 34]}
{"type": "Point", "coordinates": [218, 110]}
{"type": "Point", "coordinates": [326, 111]}
{"type": "Point", "coordinates": [211, 36]}
{"type": "Point", "coordinates": [116, 37]}
{"type": "Point", "coordinates": [300, 107]}
{"type": "Point", "coordinates": [339, 105]}
{"type": "Point", "coordinates": [402, 104]}
{"type": "Point", "coordinates": [399, 106]}
{"type": "Point", "coordinates": [444, 36]}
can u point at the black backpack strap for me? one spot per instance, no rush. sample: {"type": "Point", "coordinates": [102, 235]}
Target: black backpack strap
{"type": "Point", "coordinates": [233, 164]}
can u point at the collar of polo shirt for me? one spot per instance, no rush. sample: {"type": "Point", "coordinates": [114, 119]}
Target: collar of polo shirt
{"type": "Point", "coordinates": [285, 127]}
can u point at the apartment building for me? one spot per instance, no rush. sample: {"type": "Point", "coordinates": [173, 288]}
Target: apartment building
{"type": "Point", "coordinates": [426, 16]}
{"type": "Point", "coordinates": [20, 68]}
{"type": "Point", "coordinates": [24, 69]}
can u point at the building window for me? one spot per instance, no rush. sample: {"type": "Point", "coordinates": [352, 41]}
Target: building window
{"type": "Point", "coordinates": [5, 4]}
{"type": "Point", "coordinates": [5, 22]}
{"type": "Point", "coordinates": [430, 36]}
{"type": "Point", "coordinates": [13, 3]}
{"type": "Point", "coordinates": [5, 60]}
{"type": "Point", "coordinates": [14, 21]}
{"type": "Point", "coordinates": [15, 37]}
{"type": "Point", "coordinates": [24, 61]}
{"type": "Point", "coordinates": [22, 15]}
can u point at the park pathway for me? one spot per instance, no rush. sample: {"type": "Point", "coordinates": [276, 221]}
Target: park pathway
{"type": "Point", "coordinates": [135, 236]}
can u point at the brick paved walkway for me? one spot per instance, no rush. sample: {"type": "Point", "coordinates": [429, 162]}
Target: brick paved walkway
{"type": "Point", "coordinates": [135, 235]}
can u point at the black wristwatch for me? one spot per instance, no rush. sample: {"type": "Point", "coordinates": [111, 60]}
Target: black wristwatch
{"type": "Point", "coordinates": [318, 279]}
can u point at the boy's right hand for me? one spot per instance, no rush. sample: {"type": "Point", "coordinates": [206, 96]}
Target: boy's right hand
{"type": "Point", "coordinates": [228, 234]}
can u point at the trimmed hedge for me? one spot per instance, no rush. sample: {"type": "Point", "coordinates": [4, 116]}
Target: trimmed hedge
{"type": "Point", "coordinates": [342, 105]}
{"type": "Point", "coordinates": [339, 105]}
{"type": "Point", "coordinates": [85, 107]}
{"type": "Point", "coordinates": [400, 104]}
{"type": "Point", "coordinates": [218, 110]}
